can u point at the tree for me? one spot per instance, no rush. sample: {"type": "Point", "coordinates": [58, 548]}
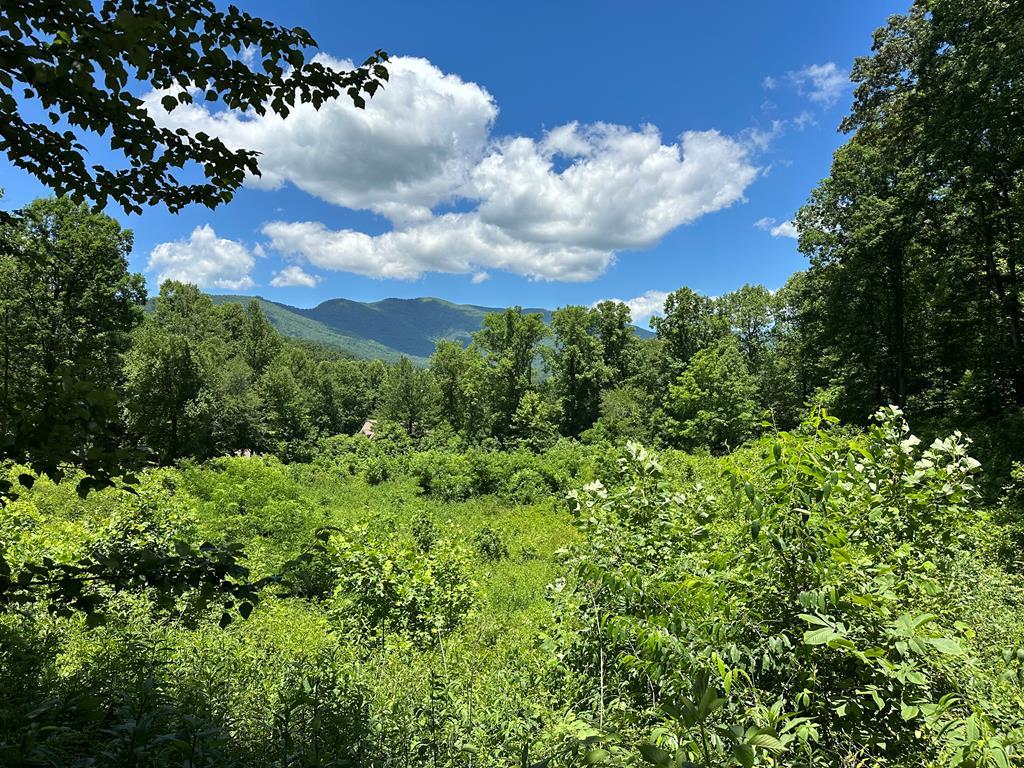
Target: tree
{"type": "Point", "coordinates": [409, 396]}
{"type": "Point", "coordinates": [914, 288]}
{"type": "Point", "coordinates": [287, 401]}
{"type": "Point", "coordinates": [626, 414]}
{"type": "Point", "coordinates": [618, 339]}
{"type": "Point", "coordinates": [78, 61]}
{"type": "Point", "coordinates": [689, 325]}
{"type": "Point", "coordinates": [749, 313]}
{"type": "Point", "coordinates": [509, 341]}
{"type": "Point", "coordinates": [712, 402]}
{"type": "Point", "coordinates": [534, 423]}
{"type": "Point", "coordinates": [342, 398]}
{"type": "Point", "coordinates": [461, 379]}
{"type": "Point", "coordinates": [165, 381]}
{"type": "Point", "coordinates": [262, 342]}
{"type": "Point", "coordinates": [577, 363]}
{"type": "Point", "coordinates": [68, 306]}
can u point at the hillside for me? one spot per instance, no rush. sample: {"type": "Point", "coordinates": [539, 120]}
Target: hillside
{"type": "Point", "coordinates": [385, 329]}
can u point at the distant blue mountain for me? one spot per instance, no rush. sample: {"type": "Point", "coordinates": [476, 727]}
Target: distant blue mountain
{"type": "Point", "coordinates": [385, 329]}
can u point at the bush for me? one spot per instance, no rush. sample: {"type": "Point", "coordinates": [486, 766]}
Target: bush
{"type": "Point", "coordinates": [424, 533]}
{"type": "Point", "coordinates": [377, 469]}
{"type": "Point", "coordinates": [422, 595]}
{"type": "Point", "coordinates": [823, 634]}
{"type": "Point", "coordinates": [444, 475]}
{"type": "Point", "coordinates": [490, 545]}
{"type": "Point", "coordinates": [526, 486]}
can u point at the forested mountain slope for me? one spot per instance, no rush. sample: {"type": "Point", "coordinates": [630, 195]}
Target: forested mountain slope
{"type": "Point", "coordinates": [383, 330]}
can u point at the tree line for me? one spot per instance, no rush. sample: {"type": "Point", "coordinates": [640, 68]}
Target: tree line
{"type": "Point", "coordinates": [912, 296]}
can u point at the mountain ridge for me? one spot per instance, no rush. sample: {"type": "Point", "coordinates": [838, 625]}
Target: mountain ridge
{"type": "Point", "coordinates": [385, 329]}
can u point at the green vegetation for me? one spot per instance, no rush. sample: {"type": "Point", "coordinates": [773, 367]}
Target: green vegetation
{"type": "Point", "coordinates": [382, 330]}
{"type": "Point", "coordinates": [814, 598]}
{"type": "Point", "coordinates": [394, 645]}
{"type": "Point", "coordinates": [564, 544]}
{"type": "Point", "coordinates": [79, 62]}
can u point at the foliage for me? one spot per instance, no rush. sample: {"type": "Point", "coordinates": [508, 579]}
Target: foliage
{"type": "Point", "coordinates": [509, 342]}
{"type": "Point", "coordinates": [68, 306]}
{"type": "Point", "coordinates": [578, 365]}
{"type": "Point", "coordinates": [913, 293]}
{"type": "Point", "coordinates": [409, 397]}
{"type": "Point", "coordinates": [712, 402]}
{"type": "Point", "coordinates": [389, 588]}
{"type": "Point", "coordinates": [489, 544]}
{"type": "Point", "coordinates": [80, 61]}
{"type": "Point", "coordinates": [801, 614]}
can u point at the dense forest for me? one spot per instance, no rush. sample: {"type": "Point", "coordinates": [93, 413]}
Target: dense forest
{"type": "Point", "coordinates": [563, 544]}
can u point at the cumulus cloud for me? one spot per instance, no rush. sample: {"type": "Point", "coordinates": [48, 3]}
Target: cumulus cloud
{"type": "Point", "coordinates": [413, 148]}
{"type": "Point", "coordinates": [294, 276]}
{"type": "Point", "coordinates": [204, 259]}
{"type": "Point", "coordinates": [645, 306]}
{"type": "Point", "coordinates": [821, 83]}
{"type": "Point", "coordinates": [557, 207]}
{"type": "Point", "coordinates": [622, 189]}
{"type": "Point", "coordinates": [453, 243]}
{"type": "Point", "coordinates": [782, 229]}
{"type": "Point", "coordinates": [785, 229]}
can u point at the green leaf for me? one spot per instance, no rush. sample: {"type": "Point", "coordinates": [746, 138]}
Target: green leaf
{"type": "Point", "coordinates": [766, 740]}
{"type": "Point", "coordinates": [596, 756]}
{"type": "Point", "coordinates": [654, 754]}
{"type": "Point", "coordinates": [819, 636]}
{"type": "Point", "coordinates": [744, 754]}
{"type": "Point", "coordinates": [944, 645]}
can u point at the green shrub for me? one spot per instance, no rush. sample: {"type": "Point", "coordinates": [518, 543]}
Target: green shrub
{"type": "Point", "coordinates": [422, 595]}
{"type": "Point", "coordinates": [377, 469]}
{"type": "Point", "coordinates": [526, 486]}
{"type": "Point", "coordinates": [490, 545]}
{"type": "Point", "coordinates": [424, 533]}
{"type": "Point", "coordinates": [801, 614]}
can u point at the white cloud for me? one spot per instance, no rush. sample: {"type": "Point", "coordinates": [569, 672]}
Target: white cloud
{"type": "Point", "coordinates": [769, 83]}
{"type": "Point", "coordinates": [762, 139]}
{"type": "Point", "coordinates": [783, 229]}
{"type": "Point", "coordinates": [412, 148]}
{"type": "Point", "coordinates": [204, 259]}
{"type": "Point", "coordinates": [558, 207]}
{"type": "Point", "coordinates": [294, 276]}
{"type": "Point", "coordinates": [803, 120]}
{"type": "Point", "coordinates": [643, 307]}
{"type": "Point", "coordinates": [622, 189]}
{"type": "Point", "coordinates": [821, 83]}
{"type": "Point", "coordinates": [453, 243]}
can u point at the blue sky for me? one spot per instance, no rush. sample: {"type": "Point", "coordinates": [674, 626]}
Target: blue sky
{"type": "Point", "coordinates": [530, 153]}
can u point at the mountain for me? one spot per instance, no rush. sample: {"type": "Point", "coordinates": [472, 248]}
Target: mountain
{"type": "Point", "coordinates": [385, 329]}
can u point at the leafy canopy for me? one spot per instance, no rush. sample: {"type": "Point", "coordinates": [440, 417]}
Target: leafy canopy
{"type": "Point", "coordinates": [80, 61]}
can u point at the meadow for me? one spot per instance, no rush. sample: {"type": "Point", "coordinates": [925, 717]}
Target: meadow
{"type": "Point", "coordinates": [820, 597]}
{"type": "Point", "coordinates": [783, 528]}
